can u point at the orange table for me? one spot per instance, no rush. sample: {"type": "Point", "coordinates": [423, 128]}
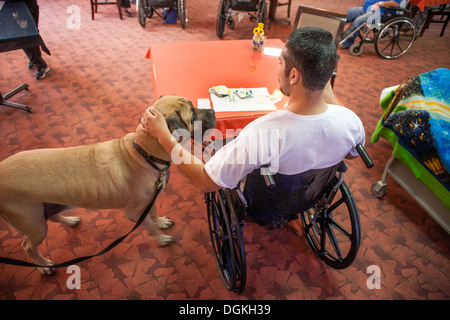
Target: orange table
{"type": "Point", "coordinates": [421, 4]}
{"type": "Point", "coordinates": [189, 69]}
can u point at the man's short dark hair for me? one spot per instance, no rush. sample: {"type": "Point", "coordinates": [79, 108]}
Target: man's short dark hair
{"type": "Point", "coordinates": [313, 52]}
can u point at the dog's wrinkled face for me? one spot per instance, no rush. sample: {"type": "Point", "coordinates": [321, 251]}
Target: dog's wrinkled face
{"type": "Point", "coordinates": [181, 114]}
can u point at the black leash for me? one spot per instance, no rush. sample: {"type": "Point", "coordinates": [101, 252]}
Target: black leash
{"type": "Point", "coordinates": [78, 260]}
{"type": "Point", "coordinates": [158, 186]}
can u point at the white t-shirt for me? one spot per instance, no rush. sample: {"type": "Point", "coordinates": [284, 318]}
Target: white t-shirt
{"type": "Point", "coordinates": [290, 143]}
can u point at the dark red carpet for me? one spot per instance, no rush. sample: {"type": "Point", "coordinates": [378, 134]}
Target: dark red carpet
{"type": "Point", "coordinates": [99, 86]}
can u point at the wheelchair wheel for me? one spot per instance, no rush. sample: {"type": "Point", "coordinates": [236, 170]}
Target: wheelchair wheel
{"type": "Point", "coordinates": [333, 229]}
{"type": "Point", "coordinates": [356, 49]}
{"type": "Point", "coordinates": [226, 237]}
{"type": "Point", "coordinates": [395, 38]}
{"type": "Point", "coordinates": [221, 18]}
{"type": "Point", "coordinates": [182, 13]}
{"type": "Point", "coordinates": [142, 11]}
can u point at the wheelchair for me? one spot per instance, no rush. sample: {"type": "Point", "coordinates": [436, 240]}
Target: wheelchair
{"type": "Point", "coordinates": [146, 8]}
{"type": "Point", "coordinates": [322, 199]}
{"type": "Point", "coordinates": [392, 36]}
{"type": "Point", "coordinates": [257, 10]}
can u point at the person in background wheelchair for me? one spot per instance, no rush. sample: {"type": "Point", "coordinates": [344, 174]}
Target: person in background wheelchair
{"type": "Point", "coordinates": [311, 132]}
{"type": "Point", "coordinates": [359, 15]}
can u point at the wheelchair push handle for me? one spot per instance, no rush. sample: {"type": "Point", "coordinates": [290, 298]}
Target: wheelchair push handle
{"type": "Point", "coordinates": [364, 156]}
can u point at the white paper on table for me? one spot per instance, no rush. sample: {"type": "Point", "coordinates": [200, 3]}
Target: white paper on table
{"type": "Point", "coordinates": [260, 101]}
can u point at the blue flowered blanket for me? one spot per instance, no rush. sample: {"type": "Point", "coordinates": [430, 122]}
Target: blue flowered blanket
{"type": "Point", "coordinates": [418, 127]}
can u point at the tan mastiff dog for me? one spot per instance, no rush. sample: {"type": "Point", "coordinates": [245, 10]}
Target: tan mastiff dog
{"type": "Point", "coordinates": [38, 184]}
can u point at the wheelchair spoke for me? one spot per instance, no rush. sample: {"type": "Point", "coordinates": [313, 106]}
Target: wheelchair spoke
{"type": "Point", "coordinates": [334, 244]}
{"type": "Point", "coordinates": [390, 44]}
{"type": "Point", "coordinates": [336, 204]}
{"type": "Point", "coordinates": [397, 42]}
{"type": "Point", "coordinates": [340, 228]}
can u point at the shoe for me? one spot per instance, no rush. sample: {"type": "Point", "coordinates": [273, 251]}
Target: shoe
{"type": "Point", "coordinates": [128, 13]}
{"type": "Point", "coordinates": [40, 73]}
{"type": "Point", "coordinates": [31, 65]}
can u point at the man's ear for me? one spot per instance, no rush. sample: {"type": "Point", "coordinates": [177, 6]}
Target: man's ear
{"type": "Point", "coordinates": [294, 76]}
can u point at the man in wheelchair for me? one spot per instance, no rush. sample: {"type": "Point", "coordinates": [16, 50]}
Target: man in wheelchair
{"type": "Point", "coordinates": [303, 144]}
{"type": "Point", "coordinates": [366, 13]}
{"type": "Point", "coordinates": [311, 132]}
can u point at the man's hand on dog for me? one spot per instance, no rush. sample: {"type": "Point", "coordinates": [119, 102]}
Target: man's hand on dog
{"type": "Point", "coordinates": [154, 123]}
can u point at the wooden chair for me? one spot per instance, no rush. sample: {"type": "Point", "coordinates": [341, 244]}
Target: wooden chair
{"type": "Point", "coordinates": [288, 3]}
{"type": "Point", "coordinates": [273, 8]}
{"type": "Point", "coordinates": [95, 4]}
{"type": "Point", "coordinates": [442, 11]}
{"type": "Point", "coordinates": [333, 22]}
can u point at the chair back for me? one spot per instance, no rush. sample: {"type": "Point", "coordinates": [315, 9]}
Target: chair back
{"type": "Point", "coordinates": [292, 194]}
{"type": "Point", "coordinates": [314, 17]}
{"type": "Point", "coordinates": [161, 3]}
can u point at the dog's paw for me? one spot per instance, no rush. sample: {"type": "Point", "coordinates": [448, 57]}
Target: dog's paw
{"type": "Point", "coordinates": [164, 223]}
{"type": "Point", "coordinates": [68, 221]}
{"type": "Point", "coordinates": [49, 271]}
{"type": "Point", "coordinates": [72, 221]}
{"type": "Point", "coordinates": [165, 240]}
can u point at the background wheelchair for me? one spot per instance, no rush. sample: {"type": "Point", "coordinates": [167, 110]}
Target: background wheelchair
{"type": "Point", "coordinates": [256, 8]}
{"type": "Point", "coordinates": [147, 7]}
{"type": "Point", "coordinates": [326, 206]}
{"type": "Point", "coordinates": [392, 37]}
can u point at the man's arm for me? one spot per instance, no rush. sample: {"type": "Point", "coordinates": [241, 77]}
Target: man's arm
{"type": "Point", "coordinates": [392, 4]}
{"type": "Point", "coordinates": [193, 168]}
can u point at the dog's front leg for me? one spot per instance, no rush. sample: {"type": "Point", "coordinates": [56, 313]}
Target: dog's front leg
{"type": "Point", "coordinates": [153, 224]}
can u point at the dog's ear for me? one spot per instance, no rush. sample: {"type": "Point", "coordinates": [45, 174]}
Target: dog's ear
{"type": "Point", "coordinates": [188, 102]}
{"type": "Point", "coordinates": [174, 122]}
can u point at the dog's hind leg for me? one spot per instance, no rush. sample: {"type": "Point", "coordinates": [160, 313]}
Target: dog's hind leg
{"type": "Point", "coordinates": [28, 219]}
{"type": "Point", "coordinates": [52, 210]}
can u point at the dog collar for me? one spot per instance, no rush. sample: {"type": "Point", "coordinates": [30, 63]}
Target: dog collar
{"type": "Point", "coordinates": [151, 159]}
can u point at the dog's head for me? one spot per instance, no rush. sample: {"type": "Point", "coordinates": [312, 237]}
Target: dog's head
{"type": "Point", "coordinates": [181, 114]}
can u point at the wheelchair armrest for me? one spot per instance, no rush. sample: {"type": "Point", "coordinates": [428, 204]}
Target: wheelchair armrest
{"type": "Point", "coordinates": [241, 197]}
{"type": "Point", "coordinates": [364, 156]}
{"type": "Point", "coordinates": [268, 178]}
{"type": "Point", "coordinates": [393, 9]}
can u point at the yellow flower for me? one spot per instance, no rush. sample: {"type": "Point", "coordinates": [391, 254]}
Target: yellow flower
{"type": "Point", "coordinates": [259, 29]}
